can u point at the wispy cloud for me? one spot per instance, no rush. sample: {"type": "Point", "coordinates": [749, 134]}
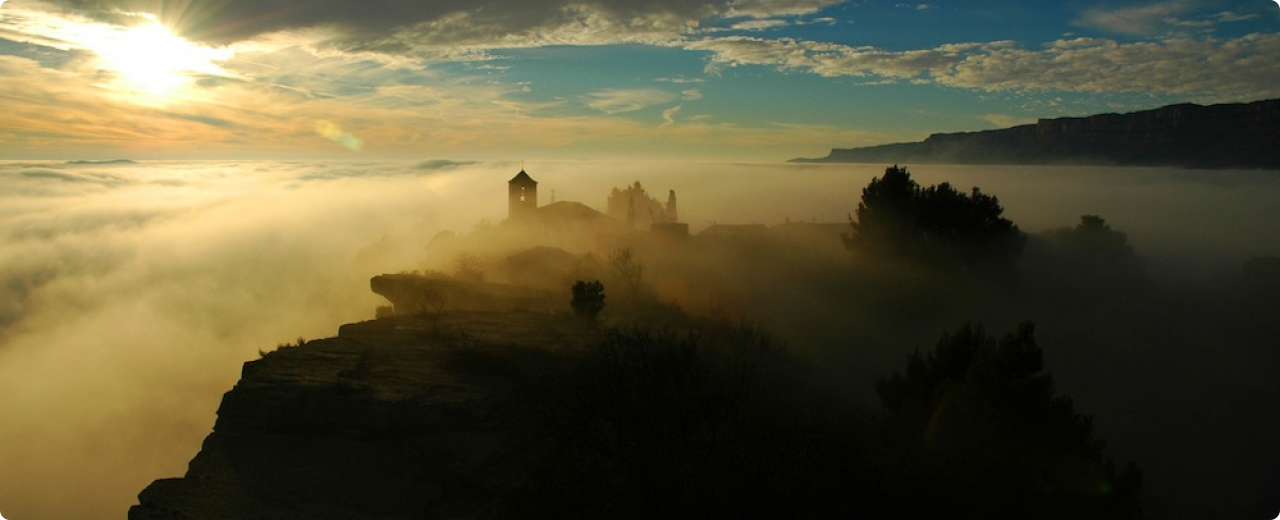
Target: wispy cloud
{"type": "Point", "coordinates": [669, 116]}
{"type": "Point", "coordinates": [443, 164]}
{"type": "Point", "coordinates": [759, 25]}
{"type": "Point", "coordinates": [1142, 20]}
{"type": "Point", "coordinates": [614, 101]}
{"type": "Point", "coordinates": [1232, 16]}
{"type": "Point", "coordinates": [682, 79]}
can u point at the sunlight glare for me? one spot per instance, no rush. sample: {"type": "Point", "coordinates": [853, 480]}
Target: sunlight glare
{"type": "Point", "coordinates": [149, 59]}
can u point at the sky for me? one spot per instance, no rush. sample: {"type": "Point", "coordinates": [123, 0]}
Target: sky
{"type": "Point", "coordinates": [763, 80]}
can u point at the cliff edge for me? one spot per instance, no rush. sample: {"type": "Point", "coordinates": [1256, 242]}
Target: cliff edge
{"type": "Point", "coordinates": [1235, 135]}
{"type": "Point", "coordinates": [421, 416]}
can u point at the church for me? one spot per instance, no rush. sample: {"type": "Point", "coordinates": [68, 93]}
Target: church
{"type": "Point", "coordinates": [631, 207]}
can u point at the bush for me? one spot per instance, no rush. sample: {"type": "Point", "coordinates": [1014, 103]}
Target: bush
{"type": "Point", "coordinates": [588, 299]}
{"type": "Point", "coordinates": [973, 428]}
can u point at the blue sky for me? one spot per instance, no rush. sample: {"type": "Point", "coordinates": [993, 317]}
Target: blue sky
{"type": "Point", "coordinates": [506, 79]}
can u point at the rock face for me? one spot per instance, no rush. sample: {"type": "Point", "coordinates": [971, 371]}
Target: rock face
{"type": "Point", "coordinates": [1238, 135]}
{"type": "Point", "coordinates": [405, 417]}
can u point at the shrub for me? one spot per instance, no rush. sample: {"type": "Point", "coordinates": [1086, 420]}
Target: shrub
{"type": "Point", "coordinates": [974, 428]}
{"type": "Point", "coordinates": [588, 299]}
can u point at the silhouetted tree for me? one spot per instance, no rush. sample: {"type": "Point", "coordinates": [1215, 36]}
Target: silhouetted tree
{"type": "Point", "coordinates": [627, 268]}
{"type": "Point", "coordinates": [975, 428]}
{"type": "Point", "coordinates": [467, 268]}
{"type": "Point", "coordinates": [938, 225]}
{"type": "Point", "coordinates": [588, 299]}
{"type": "Point", "coordinates": [1084, 265]}
{"type": "Point", "coordinates": [1094, 239]}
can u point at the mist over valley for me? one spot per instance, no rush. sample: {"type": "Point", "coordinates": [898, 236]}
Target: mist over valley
{"type": "Point", "coordinates": [134, 292]}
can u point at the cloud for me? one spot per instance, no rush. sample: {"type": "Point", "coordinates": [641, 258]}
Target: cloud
{"type": "Point", "coordinates": [759, 25]}
{"type": "Point", "coordinates": [443, 164]}
{"type": "Point", "coordinates": [396, 26]}
{"type": "Point", "coordinates": [1232, 16]}
{"type": "Point", "coordinates": [1141, 20]}
{"type": "Point", "coordinates": [682, 79]}
{"type": "Point", "coordinates": [614, 101]}
{"type": "Point", "coordinates": [1206, 69]}
{"type": "Point", "coordinates": [766, 8]}
{"type": "Point", "coordinates": [207, 120]}
{"type": "Point", "coordinates": [127, 310]}
{"type": "Point", "coordinates": [825, 59]}
{"type": "Point", "coordinates": [105, 179]}
{"type": "Point", "coordinates": [669, 116]}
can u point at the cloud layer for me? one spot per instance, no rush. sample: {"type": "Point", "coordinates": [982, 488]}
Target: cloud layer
{"type": "Point", "coordinates": [1206, 69]}
{"type": "Point", "coordinates": [398, 25]}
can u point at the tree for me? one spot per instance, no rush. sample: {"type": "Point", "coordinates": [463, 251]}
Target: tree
{"type": "Point", "coordinates": [468, 268]}
{"type": "Point", "coordinates": [588, 299]}
{"type": "Point", "coordinates": [1093, 239]}
{"type": "Point", "coordinates": [628, 269]}
{"type": "Point", "coordinates": [1084, 265]}
{"type": "Point", "coordinates": [975, 424]}
{"type": "Point", "coordinates": [938, 225]}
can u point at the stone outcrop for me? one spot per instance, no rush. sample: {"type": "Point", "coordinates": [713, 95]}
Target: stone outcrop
{"type": "Point", "coordinates": [1237, 135]}
{"type": "Point", "coordinates": [405, 417]}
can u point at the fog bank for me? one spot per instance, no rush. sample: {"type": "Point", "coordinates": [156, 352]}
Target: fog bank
{"type": "Point", "coordinates": [130, 294]}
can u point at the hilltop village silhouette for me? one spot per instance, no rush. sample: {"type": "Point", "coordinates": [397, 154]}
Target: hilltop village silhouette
{"type": "Point", "coordinates": [631, 206]}
{"type": "Point", "coordinates": [632, 209]}
{"type": "Point", "coordinates": [529, 260]}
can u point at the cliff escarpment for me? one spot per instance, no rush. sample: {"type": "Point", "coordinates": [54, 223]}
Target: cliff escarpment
{"type": "Point", "coordinates": [393, 418]}
{"type": "Point", "coordinates": [1237, 135]}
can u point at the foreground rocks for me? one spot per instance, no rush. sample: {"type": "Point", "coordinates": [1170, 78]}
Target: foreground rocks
{"type": "Point", "coordinates": [407, 417]}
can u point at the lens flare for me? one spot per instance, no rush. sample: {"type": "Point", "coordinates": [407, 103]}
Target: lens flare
{"type": "Point", "coordinates": [333, 132]}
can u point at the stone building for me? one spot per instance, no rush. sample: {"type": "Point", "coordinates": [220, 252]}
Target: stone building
{"type": "Point", "coordinates": [522, 197]}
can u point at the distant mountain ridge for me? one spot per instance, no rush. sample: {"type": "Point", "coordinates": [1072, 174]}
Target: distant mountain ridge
{"type": "Point", "coordinates": [1234, 135]}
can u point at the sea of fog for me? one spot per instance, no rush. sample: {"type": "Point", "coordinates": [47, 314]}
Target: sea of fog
{"type": "Point", "coordinates": [130, 294]}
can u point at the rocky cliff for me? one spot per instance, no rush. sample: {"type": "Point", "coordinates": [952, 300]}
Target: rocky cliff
{"type": "Point", "coordinates": [404, 417]}
{"type": "Point", "coordinates": [1237, 135]}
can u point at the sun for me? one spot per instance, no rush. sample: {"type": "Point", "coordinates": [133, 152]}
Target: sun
{"type": "Point", "coordinates": [150, 61]}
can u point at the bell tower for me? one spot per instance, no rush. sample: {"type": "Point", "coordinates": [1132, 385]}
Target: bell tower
{"type": "Point", "coordinates": [522, 196]}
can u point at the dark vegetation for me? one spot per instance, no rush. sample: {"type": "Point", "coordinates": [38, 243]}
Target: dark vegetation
{"type": "Point", "coordinates": [723, 421]}
{"type": "Point", "coordinates": [674, 411]}
{"type": "Point", "coordinates": [936, 227]}
{"type": "Point", "coordinates": [975, 426]}
{"type": "Point", "coordinates": [588, 299]}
